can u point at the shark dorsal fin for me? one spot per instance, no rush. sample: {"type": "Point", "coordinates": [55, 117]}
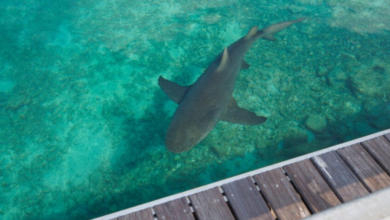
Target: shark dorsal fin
{"type": "Point", "coordinates": [251, 33]}
{"type": "Point", "coordinates": [224, 60]}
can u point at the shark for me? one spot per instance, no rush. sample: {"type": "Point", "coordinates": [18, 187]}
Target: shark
{"type": "Point", "coordinates": [210, 99]}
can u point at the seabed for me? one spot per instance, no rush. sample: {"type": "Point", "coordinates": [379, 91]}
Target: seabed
{"type": "Point", "coordinates": [82, 120]}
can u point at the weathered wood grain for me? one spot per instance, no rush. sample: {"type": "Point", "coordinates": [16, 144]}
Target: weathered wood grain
{"type": "Point", "coordinates": [246, 201]}
{"type": "Point", "coordinates": [379, 148]}
{"type": "Point", "coordinates": [311, 186]}
{"type": "Point", "coordinates": [387, 136]}
{"type": "Point", "coordinates": [145, 214]}
{"type": "Point", "coordinates": [281, 195]}
{"type": "Point", "coordinates": [364, 166]}
{"type": "Point", "coordinates": [210, 204]}
{"type": "Point", "coordinates": [177, 209]}
{"type": "Point", "coordinates": [340, 178]}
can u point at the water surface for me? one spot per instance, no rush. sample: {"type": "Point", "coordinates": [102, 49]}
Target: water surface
{"type": "Point", "coordinates": [82, 120]}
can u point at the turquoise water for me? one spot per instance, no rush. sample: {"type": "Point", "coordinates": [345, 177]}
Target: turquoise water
{"type": "Point", "coordinates": [83, 120]}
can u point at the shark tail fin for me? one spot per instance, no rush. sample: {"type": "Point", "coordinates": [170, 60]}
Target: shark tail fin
{"type": "Point", "coordinates": [224, 60]}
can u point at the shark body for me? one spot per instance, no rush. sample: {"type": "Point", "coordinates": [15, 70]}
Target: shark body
{"type": "Point", "coordinates": [209, 99]}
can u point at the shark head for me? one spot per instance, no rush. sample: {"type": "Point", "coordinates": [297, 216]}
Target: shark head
{"type": "Point", "coordinates": [183, 137]}
{"type": "Point", "coordinates": [176, 146]}
{"type": "Point", "coordinates": [178, 141]}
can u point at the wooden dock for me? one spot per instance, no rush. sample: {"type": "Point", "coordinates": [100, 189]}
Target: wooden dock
{"type": "Point", "coordinates": [293, 189]}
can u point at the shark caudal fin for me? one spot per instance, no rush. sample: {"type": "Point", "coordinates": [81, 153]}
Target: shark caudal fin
{"type": "Point", "coordinates": [268, 32]}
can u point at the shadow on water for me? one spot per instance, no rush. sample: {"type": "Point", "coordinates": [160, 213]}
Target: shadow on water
{"type": "Point", "coordinates": [142, 134]}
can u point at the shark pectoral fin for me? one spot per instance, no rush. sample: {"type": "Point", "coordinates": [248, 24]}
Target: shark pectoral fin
{"type": "Point", "coordinates": [172, 90]}
{"type": "Point", "coordinates": [244, 65]}
{"type": "Point", "coordinates": [269, 37]}
{"type": "Point", "coordinates": [235, 114]}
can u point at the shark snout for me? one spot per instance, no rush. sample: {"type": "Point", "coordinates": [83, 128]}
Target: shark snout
{"type": "Point", "coordinates": [179, 139]}
{"type": "Point", "coordinates": [177, 145]}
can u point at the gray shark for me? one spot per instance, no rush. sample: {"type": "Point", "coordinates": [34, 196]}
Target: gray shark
{"type": "Point", "coordinates": [209, 99]}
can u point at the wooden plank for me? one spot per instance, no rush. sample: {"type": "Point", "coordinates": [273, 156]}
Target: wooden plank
{"type": "Point", "coordinates": [177, 209]}
{"type": "Point", "coordinates": [365, 167]}
{"type": "Point", "coordinates": [340, 178]}
{"type": "Point", "coordinates": [379, 148]}
{"type": "Point", "coordinates": [210, 204]}
{"type": "Point", "coordinates": [311, 186]}
{"type": "Point", "coordinates": [145, 214]}
{"type": "Point", "coordinates": [374, 206]}
{"type": "Point", "coordinates": [246, 201]}
{"type": "Point", "coordinates": [281, 195]}
{"type": "Point", "coordinates": [387, 136]}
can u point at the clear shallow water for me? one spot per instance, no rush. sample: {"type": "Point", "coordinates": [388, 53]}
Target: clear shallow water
{"type": "Point", "coordinates": [83, 120]}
